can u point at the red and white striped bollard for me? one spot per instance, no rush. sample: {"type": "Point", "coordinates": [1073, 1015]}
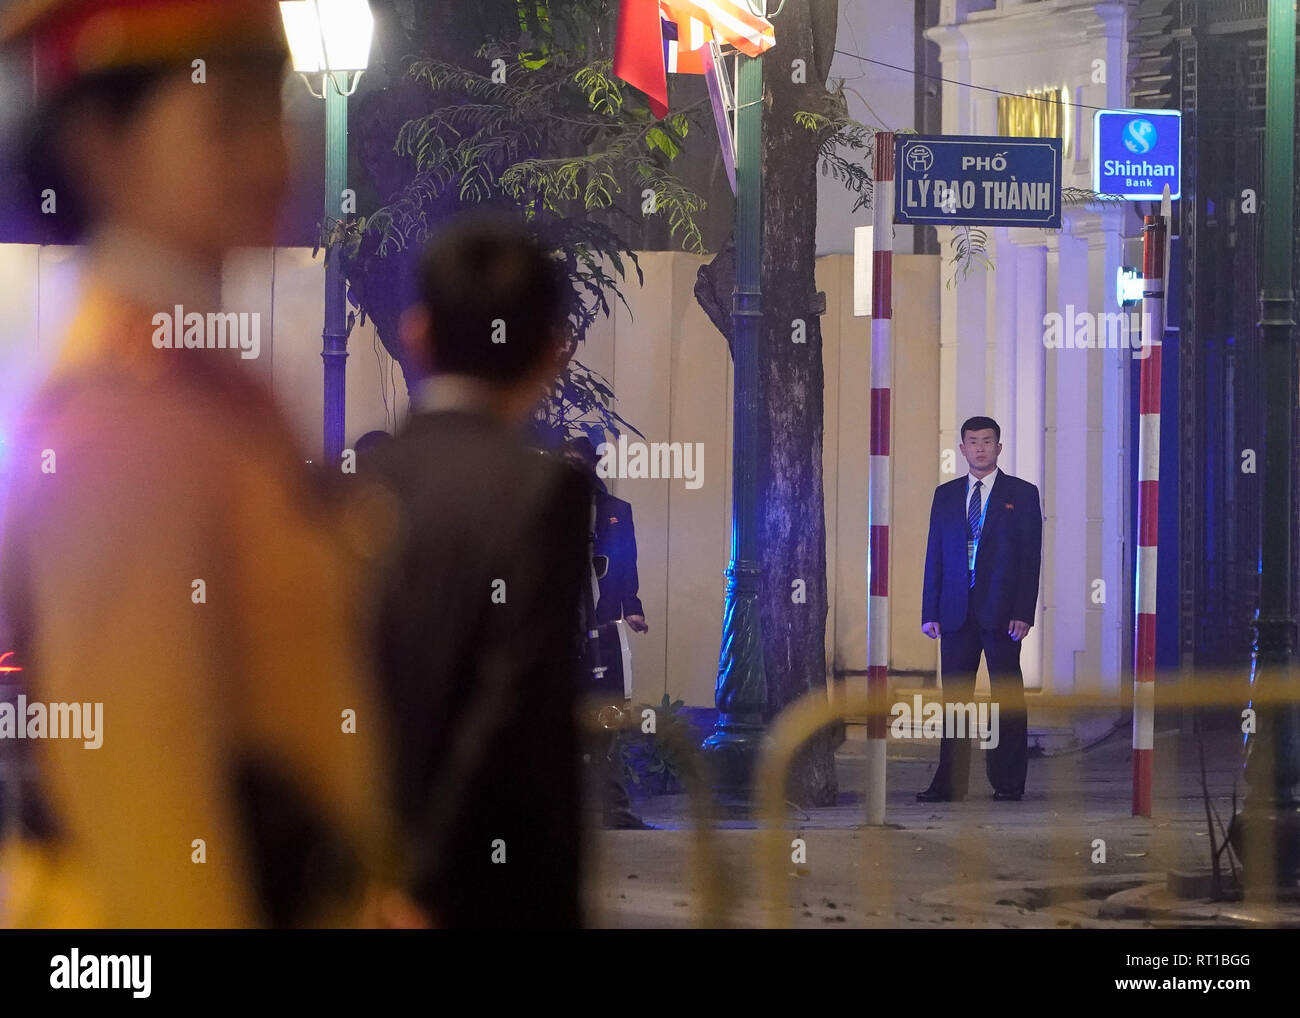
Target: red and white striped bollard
{"type": "Point", "coordinates": [878, 480]}
{"type": "Point", "coordinates": [1144, 642]}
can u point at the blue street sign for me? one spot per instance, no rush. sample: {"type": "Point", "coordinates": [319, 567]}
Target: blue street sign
{"type": "Point", "coordinates": [955, 180]}
{"type": "Point", "coordinates": [1135, 153]}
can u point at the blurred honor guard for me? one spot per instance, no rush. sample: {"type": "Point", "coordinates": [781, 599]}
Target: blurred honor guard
{"type": "Point", "coordinates": [166, 560]}
{"type": "Point", "coordinates": [478, 628]}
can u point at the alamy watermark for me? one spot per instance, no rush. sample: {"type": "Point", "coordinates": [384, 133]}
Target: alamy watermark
{"type": "Point", "coordinates": [179, 329]}
{"type": "Point", "coordinates": [23, 720]}
{"type": "Point", "coordinates": [937, 720]}
{"type": "Point", "coordinates": [676, 460]}
{"type": "Point", "coordinates": [77, 971]}
{"type": "Point", "coordinates": [1099, 330]}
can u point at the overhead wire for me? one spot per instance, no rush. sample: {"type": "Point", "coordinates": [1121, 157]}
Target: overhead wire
{"type": "Point", "coordinates": [963, 84]}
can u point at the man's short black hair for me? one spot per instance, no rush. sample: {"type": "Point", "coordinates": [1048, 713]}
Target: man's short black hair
{"type": "Point", "coordinates": [371, 441]}
{"type": "Point", "coordinates": [981, 424]}
{"type": "Point", "coordinates": [496, 299]}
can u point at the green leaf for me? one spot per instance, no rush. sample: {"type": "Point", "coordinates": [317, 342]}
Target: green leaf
{"type": "Point", "coordinates": [657, 138]}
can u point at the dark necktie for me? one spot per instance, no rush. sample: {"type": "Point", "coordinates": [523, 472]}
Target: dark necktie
{"type": "Point", "coordinates": [973, 515]}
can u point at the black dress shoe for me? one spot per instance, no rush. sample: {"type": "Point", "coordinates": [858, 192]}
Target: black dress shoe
{"type": "Point", "coordinates": [1006, 796]}
{"type": "Point", "coordinates": [932, 795]}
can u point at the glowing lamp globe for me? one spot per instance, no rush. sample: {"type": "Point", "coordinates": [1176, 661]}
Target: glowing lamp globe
{"type": "Point", "coordinates": [328, 35]}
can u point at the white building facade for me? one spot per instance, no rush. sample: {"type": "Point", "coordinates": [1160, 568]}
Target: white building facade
{"type": "Point", "coordinates": [1065, 413]}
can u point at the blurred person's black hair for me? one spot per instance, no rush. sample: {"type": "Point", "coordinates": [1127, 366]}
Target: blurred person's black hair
{"type": "Point", "coordinates": [371, 441]}
{"type": "Point", "coordinates": [495, 300]}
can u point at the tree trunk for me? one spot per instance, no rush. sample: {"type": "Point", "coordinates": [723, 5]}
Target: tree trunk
{"type": "Point", "coordinates": [792, 520]}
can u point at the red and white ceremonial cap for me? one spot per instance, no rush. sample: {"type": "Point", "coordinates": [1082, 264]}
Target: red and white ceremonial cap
{"type": "Point", "coordinates": [74, 39]}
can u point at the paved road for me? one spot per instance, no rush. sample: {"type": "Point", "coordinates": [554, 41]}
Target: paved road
{"type": "Point", "coordinates": [1034, 863]}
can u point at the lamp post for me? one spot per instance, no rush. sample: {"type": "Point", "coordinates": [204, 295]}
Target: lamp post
{"type": "Point", "coordinates": [741, 689]}
{"type": "Point", "coordinates": [331, 38]}
{"type": "Point", "coordinates": [1267, 832]}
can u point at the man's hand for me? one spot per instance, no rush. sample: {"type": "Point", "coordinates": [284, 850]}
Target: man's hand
{"type": "Point", "coordinates": [638, 624]}
{"type": "Point", "coordinates": [930, 629]}
{"type": "Point", "coordinates": [1018, 629]}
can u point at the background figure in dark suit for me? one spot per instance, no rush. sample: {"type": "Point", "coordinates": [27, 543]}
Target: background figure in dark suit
{"type": "Point", "coordinates": [478, 624]}
{"type": "Point", "coordinates": [981, 588]}
{"type": "Point", "coordinates": [616, 541]}
{"type": "Point", "coordinates": [613, 544]}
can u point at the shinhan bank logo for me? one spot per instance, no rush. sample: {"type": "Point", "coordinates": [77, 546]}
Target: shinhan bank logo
{"type": "Point", "coordinates": [1139, 136]}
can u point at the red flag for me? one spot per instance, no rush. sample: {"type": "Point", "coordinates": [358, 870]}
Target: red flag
{"type": "Point", "coordinates": [639, 52]}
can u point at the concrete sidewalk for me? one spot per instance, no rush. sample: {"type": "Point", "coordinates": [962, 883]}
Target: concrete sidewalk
{"type": "Point", "coordinates": [978, 863]}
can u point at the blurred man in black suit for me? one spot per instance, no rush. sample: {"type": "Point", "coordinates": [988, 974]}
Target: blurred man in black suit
{"type": "Point", "coordinates": [478, 625]}
{"type": "Point", "coordinates": [980, 593]}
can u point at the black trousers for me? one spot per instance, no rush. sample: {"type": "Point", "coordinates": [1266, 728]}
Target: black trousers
{"type": "Point", "coordinates": [1007, 762]}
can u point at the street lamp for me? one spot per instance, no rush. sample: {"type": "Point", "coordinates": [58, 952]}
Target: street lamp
{"type": "Point", "coordinates": [331, 38]}
{"type": "Point", "coordinates": [741, 689]}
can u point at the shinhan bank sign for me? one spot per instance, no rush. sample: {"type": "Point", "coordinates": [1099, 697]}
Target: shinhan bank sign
{"type": "Point", "coordinates": [1135, 153]}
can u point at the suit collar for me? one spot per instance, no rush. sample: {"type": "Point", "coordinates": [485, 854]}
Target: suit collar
{"type": "Point", "coordinates": [439, 393]}
{"type": "Point", "coordinates": [989, 482]}
{"type": "Point", "coordinates": [1000, 497]}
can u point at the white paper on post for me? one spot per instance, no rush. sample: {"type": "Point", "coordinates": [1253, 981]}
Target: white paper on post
{"type": "Point", "coordinates": [863, 238]}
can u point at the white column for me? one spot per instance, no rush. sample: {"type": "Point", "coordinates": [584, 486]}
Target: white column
{"type": "Point", "coordinates": [1002, 343]}
{"type": "Point", "coordinates": [1028, 436]}
{"type": "Point", "coordinates": [1065, 545]}
{"type": "Point", "coordinates": [964, 362]}
{"type": "Point", "coordinates": [1110, 429]}
{"type": "Point", "coordinates": [1064, 412]}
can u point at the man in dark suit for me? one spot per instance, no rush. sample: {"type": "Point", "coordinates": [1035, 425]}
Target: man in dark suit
{"type": "Point", "coordinates": [615, 540]}
{"type": "Point", "coordinates": [613, 543]}
{"type": "Point", "coordinates": [981, 588]}
{"type": "Point", "coordinates": [478, 622]}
